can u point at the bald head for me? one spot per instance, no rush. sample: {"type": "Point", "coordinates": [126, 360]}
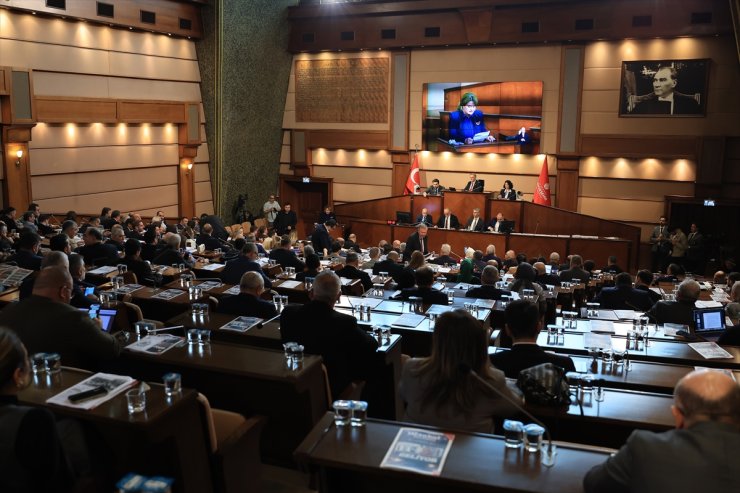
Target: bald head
{"type": "Point", "coordinates": [688, 291]}
{"type": "Point", "coordinates": [540, 268]}
{"type": "Point", "coordinates": [326, 287]}
{"type": "Point", "coordinates": [706, 395]}
{"type": "Point", "coordinates": [54, 283]}
{"type": "Point", "coordinates": [252, 283]}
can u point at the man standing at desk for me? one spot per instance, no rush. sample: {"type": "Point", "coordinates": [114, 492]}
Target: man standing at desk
{"type": "Point", "coordinates": [474, 185]}
{"type": "Point", "coordinates": [416, 241]}
{"type": "Point", "coordinates": [346, 349]}
{"type": "Point", "coordinates": [701, 454]}
{"type": "Point", "coordinates": [321, 239]}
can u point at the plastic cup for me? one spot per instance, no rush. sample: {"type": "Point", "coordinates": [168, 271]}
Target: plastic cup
{"type": "Point", "coordinates": [192, 336]}
{"type": "Point", "coordinates": [359, 413]}
{"type": "Point", "coordinates": [513, 433]}
{"type": "Point", "coordinates": [342, 412]}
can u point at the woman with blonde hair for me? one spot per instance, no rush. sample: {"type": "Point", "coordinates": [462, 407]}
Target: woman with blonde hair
{"type": "Point", "coordinates": [440, 391]}
{"type": "Point", "coordinates": [467, 266]}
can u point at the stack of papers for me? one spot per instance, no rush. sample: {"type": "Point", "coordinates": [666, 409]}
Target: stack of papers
{"type": "Point", "coordinates": [232, 290]}
{"type": "Point", "coordinates": [242, 324]}
{"type": "Point", "coordinates": [710, 350]}
{"type": "Point", "coordinates": [167, 294]}
{"type": "Point", "coordinates": [155, 343]}
{"type": "Point", "coordinates": [114, 384]}
{"type": "Point", "coordinates": [208, 285]}
{"type": "Point", "coordinates": [211, 266]}
{"type": "Point", "coordinates": [410, 320]}
{"type": "Point", "coordinates": [290, 284]}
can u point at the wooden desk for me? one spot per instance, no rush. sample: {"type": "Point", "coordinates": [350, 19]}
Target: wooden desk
{"type": "Point", "coordinates": [249, 381]}
{"type": "Point", "coordinates": [659, 351]}
{"type": "Point", "coordinates": [349, 460]}
{"type": "Point", "coordinates": [216, 292]}
{"type": "Point", "coordinates": [157, 309]}
{"type": "Point", "coordinates": [168, 439]}
{"type": "Point", "coordinates": [200, 271]}
{"type": "Point", "coordinates": [10, 295]}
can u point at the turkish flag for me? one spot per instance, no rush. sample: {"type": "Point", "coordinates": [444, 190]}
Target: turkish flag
{"type": "Point", "coordinates": [412, 182]}
{"type": "Point", "coordinates": [542, 192]}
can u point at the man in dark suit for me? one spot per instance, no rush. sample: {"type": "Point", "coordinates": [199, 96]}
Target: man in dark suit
{"type": "Point", "coordinates": [27, 256]}
{"type": "Point", "coordinates": [487, 289]}
{"type": "Point", "coordinates": [576, 271]}
{"type": "Point", "coordinates": [351, 270]}
{"type": "Point", "coordinates": [248, 302]}
{"type": "Point", "coordinates": [699, 455]}
{"type": "Point", "coordinates": [497, 225]}
{"type": "Point", "coordinates": [135, 264]}
{"type": "Point", "coordinates": [424, 280]}
{"type": "Point", "coordinates": [416, 241]}
{"type": "Point", "coordinates": [543, 278]}
{"type": "Point", "coordinates": [444, 256]}
{"type": "Point", "coordinates": [474, 185]}
{"type": "Point", "coordinates": [245, 262]}
{"type": "Point", "coordinates": [680, 311]}
{"type": "Point", "coordinates": [475, 222]}
{"type": "Point", "coordinates": [695, 250]}
{"type": "Point", "coordinates": [661, 245]}
{"type": "Point", "coordinates": [665, 100]}
{"type": "Point", "coordinates": [425, 218]}
{"type": "Point", "coordinates": [109, 221]}
{"type": "Point", "coordinates": [389, 265]}
{"type": "Point", "coordinates": [321, 238]}
{"type": "Point", "coordinates": [207, 238]}
{"type": "Point", "coordinates": [523, 325]}
{"type": "Point", "coordinates": [285, 256]}
{"type": "Point", "coordinates": [46, 322]}
{"type": "Point", "coordinates": [285, 221]}
{"type": "Point", "coordinates": [435, 189]}
{"type": "Point", "coordinates": [346, 349]}
{"type": "Point", "coordinates": [448, 220]}
{"type": "Point", "coordinates": [612, 267]}
{"type": "Point", "coordinates": [623, 296]}
{"type": "Point", "coordinates": [643, 281]}
{"type": "Point", "coordinates": [95, 251]}
{"type": "Point", "coordinates": [171, 255]}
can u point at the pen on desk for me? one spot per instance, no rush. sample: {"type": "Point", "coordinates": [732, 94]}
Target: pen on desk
{"type": "Point", "coordinates": [164, 329]}
{"type": "Point", "coordinates": [262, 324]}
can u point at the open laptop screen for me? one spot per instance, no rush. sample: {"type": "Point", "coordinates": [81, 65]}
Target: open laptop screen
{"type": "Point", "coordinates": [709, 320]}
{"type": "Point", "coordinates": [106, 318]}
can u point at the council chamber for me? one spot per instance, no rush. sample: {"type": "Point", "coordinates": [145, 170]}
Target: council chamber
{"type": "Point", "coordinates": [369, 245]}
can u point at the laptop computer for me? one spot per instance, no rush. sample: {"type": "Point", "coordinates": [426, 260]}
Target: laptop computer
{"type": "Point", "coordinates": [709, 323]}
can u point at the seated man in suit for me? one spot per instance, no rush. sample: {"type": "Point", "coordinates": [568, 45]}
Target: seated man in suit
{"type": "Point", "coordinates": [374, 254]}
{"type": "Point", "coordinates": [448, 220]}
{"type": "Point", "coordinates": [285, 256]}
{"type": "Point", "coordinates": [680, 311]}
{"type": "Point", "coordinates": [623, 296]}
{"type": "Point", "coordinates": [475, 222]}
{"type": "Point", "coordinates": [351, 243]}
{"type": "Point", "coordinates": [248, 302]}
{"type": "Point", "coordinates": [543, 278]}
{"type": "Point", "coordinates": [117, 238]}
{"type": "Point", "coordinates": [425, 218]}
{"type": "Point", "coordinates": [79, 285]}
{"type": "Point", "coordinates": [95, 251]}
{"type": "Point", "coordinates": [523, 324]}
{"type": "Point", "coordinates": [497, 225]}
{"type": "Point", "coordinates": [576, 271]}
{"type": "Point", "coordinates": [474, 185]}
{"type": "Point", "coordinates": [487, 289]}
{"type": "Point", "coordinates": [346, 349]}
{"type": "Point", "coordinates": [699, 455]}
{"type": "Point", "coordinates": [313, 267]}
{"type": "Point", "coordinates": [389, 265]}
{"type": "Point", "coordinates": [47, 323]}
{"type": "Point", "coordinates": [444, 256]}
{"type": "Point", "coordinates": [171, 253]}
{"type": "Point", "coordinates": [351, 271]}
{"type": "Point", "coordinates": [424, 280]}
{"type": "Point", "coordinates": [245, 262]}
{"type": "Point", "coordinates": [612, 267]}
{"type": "Point", "coordinates": [206, 238]}
{"type": "Point", "coordinates": [417, 241]}
{"type": "Point", "coordinates": [435, 189]}
{"type": "Point", "coordinates": [643, 281]}
{"type": "Point", "coordinates": [491, 255]}
{"type": "Point", "coordinates": [27, 256]}
{"type": "Point", "coordinates": [134, 263]}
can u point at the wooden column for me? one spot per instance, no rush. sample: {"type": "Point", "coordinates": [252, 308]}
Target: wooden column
{"type": "Point", "coordinates": [401, 162]}
{"type": "Point", "coordinates": [16, 172]}
{"type": "Point", "coordinates": [567, 183]}
{"type": "Point", "coordinates": [189, 141]}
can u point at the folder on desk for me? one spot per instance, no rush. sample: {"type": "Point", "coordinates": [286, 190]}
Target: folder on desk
{"type": "Point", "coordinates": [410, 320]}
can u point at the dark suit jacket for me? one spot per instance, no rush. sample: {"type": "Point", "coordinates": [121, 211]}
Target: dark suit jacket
{"type": "Point", "coordinates": [352, 272]}
{"type": "Point", "coordinates": [283, 220]}
{"type": "Point", "coordinates": [477, 186]}
{"type": "Point", "coordinates": [414, 243]}
{"type": "Point", "coordinates": [487, 292]}
{"type": "Point", "coordinates": [247, 305]}
{"type": "Point", "coordinates": [346, 349]}
{"type": "Point", "coordinates": [481, 226]}
{"type": "Point", "coordinates": [435, 190]}
{"type": "Point", "coordinates": [574, 273]}
{"type": "Point", "coordinates": [454, 223]}
{"type": "Point", "coordinates": [522, 356]}
{"type": "Point", "coordinates": [236, 268]}
{"type": "Point", "coordinates": [392, 268]}
{"type": "Point", "coordinates": [218, 227]}
{"type": "Point", "coordinates": [140, 268]}
{"type": "Point", "coordinates": [511, 196]}
{"type": "Point", "coordinates": [168, 257]}
{"type": "Point", "coordinates": [103, 253]}
{"type": "Point", "coordinates": [429, 296]}
{"type": "Point", "coordinates": [545, 279]}
{"type": "Point", "coordinates": [211, 242]}
{"type": "Point", "coordinates": [624, 298]}
{"type": "Point", "coordinates": [321, 239]}
{"type": "Point", "coordinates": [654, 297]}
{"type": "Point", "coordinates": [426, 220]}
{"type": "Point", "coordinates": [730, 337]}
{"type": "Point", "coordinates": [44, 325]}
{"type": "Point", "coordinates": [286, 258]}
{"type": "Point", "coordinates": [683, 104]}
{"type": "Point", "coordinates": [443, 260]}
{"type": "Point", "coordinates": [27, 260]}
{"type": "Point", "coordinates": [674, 312]}
{"type": "Point", "coordinates": [301, 276]}
{"type": "Point", "coordinates": [700, 458]}
{"type": "Point", "coordinates": [406, 278]}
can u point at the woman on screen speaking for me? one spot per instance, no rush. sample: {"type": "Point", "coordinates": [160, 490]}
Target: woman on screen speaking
{"type": "Point", "coordinates": [466, 124]}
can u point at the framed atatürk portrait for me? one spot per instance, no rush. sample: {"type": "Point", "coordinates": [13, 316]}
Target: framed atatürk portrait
{"type": "Point", "coordinates": [664, 88]}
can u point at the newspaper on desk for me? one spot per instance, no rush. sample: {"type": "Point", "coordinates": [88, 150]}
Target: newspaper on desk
{"type": "Point", "coordinates": [155, 343]}
{"type": "Point", "coordinates": [167, 294]}
{"type": "Point", "coordinates": [709, 350]}
{"type": "Point", "coordinates": [439, 309]}
{"type": "Point", "coordinates": [13, 276]}
{"type": "Point", "coordinates": [708, 304]}
{"type": "Point", "coordinates": [233, 290]}
{"type": "Point", "coordinates": [208, 285]}
{"type": "Point", "coordinates": [105, 269]}
{"type": "Point", "coordinates": [241, 324]}
{"type": "Point", "coordinates": [290, 284]}
{"type": "Point", "coordinates": [129, 288]}
{"type": "Point", "coordinates": [211, 266]}
{"type": "Point", "coordinates": [603, 326]}
{"type": "Point", "coordinates": [420, 451]}
{"type": "Point", "coordinates": [114, 384]}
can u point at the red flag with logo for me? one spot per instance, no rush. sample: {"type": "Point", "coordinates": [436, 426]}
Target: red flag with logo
{"type": "Point", "coordinates": [412, 182]}
{"type": "Point", "coordinates": [542, 192]}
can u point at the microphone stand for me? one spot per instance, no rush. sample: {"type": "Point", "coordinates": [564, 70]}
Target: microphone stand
{"type": "Point", "coordinates": [548, 457]}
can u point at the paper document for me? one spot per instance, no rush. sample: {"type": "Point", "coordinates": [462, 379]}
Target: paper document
{"type": "Point", "coordinates": [232, 290]}
{"type": "Point", "coordinates": [114, 384]}
{"type": "Point", "coordinates": [211, 267]}
{"type": "Point", "coordinates": [290, 284]}
{"type": "Point", "coordinates": [106, 269]}
{"type": "Point", "coordinates": [601, 341]}
{"type": "Point", "coordinates": [208, 285]}
{"type": "Point", "coordinates": [626, 314]}
{"type": "Point", "coordinates": [411, 320]}
{"type": "Point", "coordinates": [241, 324]}
{"type": "Point", "coordinates": [168, 294]}
{"type": "Point", "coordinates": [709, 350]}
{"type": "Point", "coordinates": [481, 136]}
{"type": "Point", "coordinates": [129, 288]}
{"type": "Point", "coordinates": [439, 309]}
{"type": "Point", "coordinates": [708, 304]}
{"type": "Point", "coordinates": [606, 326]}
{"type": "Point", "coordinates": [420, 451]}
{"type": "Point", "coordinates": [155, 343]}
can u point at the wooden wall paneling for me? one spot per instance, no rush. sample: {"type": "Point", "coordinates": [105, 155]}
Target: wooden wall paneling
{"type": "Point", "coordinates": [347, 139]}
{"type": "Point", "coordinates": [462, 204]}
{"type": "Point", "coordinates": [4, 81]}
{"type": "Point", "coordinates": [433, 204]}
{"type": "Point", "coordinates": [600, 250]}
{"type": "Point", "coordinates": [186, 188]}
{"type": "Point", "coordinates": [569, 109]}
{"type": "Point", "coordinates": [379, 209]}
{"type": "Point", "coordinates": [369, 232]}
{"type": "Point", "coordinates": [151, 112]}
{"type": "Point", "coordinates": [566, 185]}
{"type": "Point", "coordinates": [710, 166]}
{"type": "Point", "coordinates": [536, 246]}
{"type": "Point", "coordinates": [54, 109]}
{"type": "Point", "coordinates": [307, 199]}
{"type": "Point", "coordinates": [511, 209]}
{"type": "Point", "coordinates": [16, 174]}
{"type": "Point", "coordinates": [400, 175]}
{"type": "Point", "coordinates": [399, 107]}
{"type": "Point", "coordinates": [639, 146]}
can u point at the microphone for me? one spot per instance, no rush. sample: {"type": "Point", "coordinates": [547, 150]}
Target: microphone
{"type": "Point", "coordinates": [536, 227]}
{"type": "Point", "coordinates": [548, 458]}
{"type": "Point", "coordinates": [456, 255]}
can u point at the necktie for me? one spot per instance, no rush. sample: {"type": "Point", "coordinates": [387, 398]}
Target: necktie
{"type": "Point", "coordinates": [421, 242]}
{"type": "Point", "coordinates": [447, 222]}
{"type": "Point", "coordinates": [471, 186]}
{"type": "Point", "coordinates": [472, 226]}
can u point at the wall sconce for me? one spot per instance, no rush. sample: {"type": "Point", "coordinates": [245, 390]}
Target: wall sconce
{"type": "Point", "coordinates": [188, 167]}
{"type": "Point", "coordinates": [19, 155]}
